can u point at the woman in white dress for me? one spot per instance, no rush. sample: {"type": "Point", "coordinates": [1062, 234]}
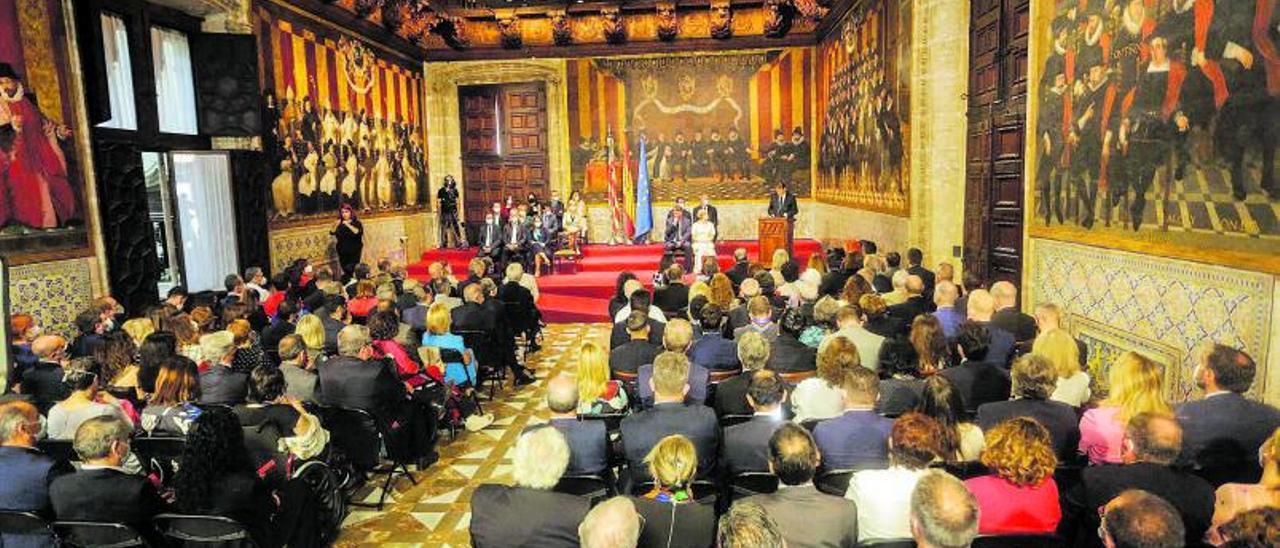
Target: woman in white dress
{"type": "Point", "coordinates": [704, 238]}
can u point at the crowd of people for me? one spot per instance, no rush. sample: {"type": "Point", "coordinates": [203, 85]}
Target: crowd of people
{"type": "Point", "coordinates": [530, 233]}
{"type": "Point", "coordinates": [251, 382]}
{"type": "Point", "coordinates": [857, 398]}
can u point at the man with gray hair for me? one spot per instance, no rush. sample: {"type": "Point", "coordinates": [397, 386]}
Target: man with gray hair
{"type": "Point", "coordinates": [748, 525]}
{"type": "Point", "coordinates": [731, 394]}
{"type": "Point", "coordinates": [944, 299]}
{"type": "Point", "coordinates": [738, 272]}
{"type": "Point", "coordinates": [980, 307]}
{"type": "Point", "coordinates": [1007, 315]}
{"type": "Point", "coordinates": [1139, 518]}
{"type": "Point", "coordinates": [354, 380]}
{"type": "Point", "coordinates": [102, 490]}
{"type": "Point", "coordinates": [944, 514]}
{"type": "Point", "coordinates": [588, 440]}
{"type": "Point", "coordinates": [529, 513]}
{"type": "Point", "coordinates": [256, 280]}
{"type": "Point", "coordinates": [299, 368]}
{"type": "Point", "coordinates": [25, 471]}
{"type": "Point", "coordinates": [613, 523]}
{"type": "Point", "coordinates": [899, 293]}
{"type": "Point", "coordinates": [738, 316]}
{"type": "Point", "coordinates": [220, 384]}
{"type": "Point", "coordinates": [915, 304]}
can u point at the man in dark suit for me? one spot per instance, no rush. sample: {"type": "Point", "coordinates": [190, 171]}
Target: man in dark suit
{"type": "Point", "coordinates": [1007, 316]}
{"type": "Point", "coordinates": [1138, 518]}
{"type": "Point", "coordinates": [915, 305]}
{"type": "Point", "coordinates": [219, 384]}
{"type": "Point", "coordinates": [637, 352]}
{"type": "Point", "coordinates": [678, 235]}
{"type": "Point", "coordinates": [471, 314]}
{"type": "Point", "coordinates": [90, 325]}
{"type": "Point", "coordinates": [353, 379]}
{"type": "Point", "coordinates": [915, 258]}
{"type": "Point", "coordinates": [101, 490]}
{"type": "Point", "coordinates": [514, 236]}
{"type": "Point", "coordinates": [980, 308]}
{"type": "Point", "coordinates": [512, 295]}
{"type": "Point", "coordinates": [746, 445]}
{"type": "Point", "coordinates": [25, 472]}
{"type": "Point", "coordinates": [806, 516]}
{"type": "Point", "coordinates": [977, 380]}
{"type": "Point", "coordinates": [782, 203]}
{"type": "Point", "coordinates": [490, 242]}
{"type": "Point", "coordinates": [639, 301]}
{"type": "Point", "coordinates": [676, 339]}
{"type": "Point", "coordinates": [1152, 443]}
{"type": "Point", "coordinates": [674, 297]}
{"type": "Point", "coordinates": [334, 319]}
{"type": "Point", "coordinates": [712, 214]}
{"type": "Point", "coordinates": [858, 438]}
{"type": "Point", "coordinates": [740, 316]}
{"type": "Point", "coordinates": [476, 271]}
{"type": "Point", "coordinates": [712, 350]}
{"type": "Point", "coordinates": [738, 272]}
{"type": "Point", "coordinates": [669, 415]}
{"type": "Point", "coordinates": [833, 282]}
{"type": "Point", "coordinates": [588, 440]}
{"type": "Point", "coordinates": [1034, 379]}
{"type": "Point", "coordinates": [529, 513]}
{"type": "Point", "coordinates": [43, 382]}
{"type": "Point", "coordinates": [1223, 430]}
{"type": "Point", "coordinates": [789, 355]}
{"type": "Point", "coordinates": [284, 324]}
{"type": "Point", "coordinates": [731, 394]}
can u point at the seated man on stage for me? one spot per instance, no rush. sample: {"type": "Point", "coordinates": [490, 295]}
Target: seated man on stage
{"type": "Point", "coordinates": [490, 238]}
{"type": "Point", "coordinates": [679, 235]}
{"type": "Point", "coordinates": [514, 238]}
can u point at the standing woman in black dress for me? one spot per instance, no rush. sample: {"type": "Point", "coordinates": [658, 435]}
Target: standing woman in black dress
{"type": "Point", "coordinates": [350, 235]}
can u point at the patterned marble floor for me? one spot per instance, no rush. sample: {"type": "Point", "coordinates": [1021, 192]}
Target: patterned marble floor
{"type": "Point", "coordinates": [436, 511]}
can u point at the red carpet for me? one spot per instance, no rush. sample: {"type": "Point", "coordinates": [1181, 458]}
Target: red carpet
{"type": "Point", "coordinates": [584, 296]}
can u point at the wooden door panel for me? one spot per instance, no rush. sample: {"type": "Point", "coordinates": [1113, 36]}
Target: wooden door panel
{"type": "Point", "coordinates": [504, 143]}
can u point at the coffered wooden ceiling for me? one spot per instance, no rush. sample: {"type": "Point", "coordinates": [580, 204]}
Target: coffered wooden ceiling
{"type": "Point", "coordinates": [502, 29]}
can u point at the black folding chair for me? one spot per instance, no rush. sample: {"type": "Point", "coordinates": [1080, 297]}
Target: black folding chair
{"type": "Point", "coordinates": [360, 438]}
{"type": "Point", "coordinates": [160, 454]}
{"type": "Point", "coordinates": [834, 482]}
{"type": "Point", "coordinates": [745, 484]}
{"type": "Point", "coordinates": [489, 366]}
{"type": "Point", "coordinates": [26, 524]}
{"type": "Point", "coordinates": [1018, 541]}
{"type": "Point", "coordinates": [93, 534]}
{"type": "Point", "coordinates": [591, 486]}
{"type": "Point", "coordinates": [193, 531]}
{"type": "Point", "coordinates": [59, 450]}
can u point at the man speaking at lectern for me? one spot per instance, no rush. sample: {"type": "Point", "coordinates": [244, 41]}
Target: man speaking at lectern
{"type": "Point", "coordinates": [782, 203]}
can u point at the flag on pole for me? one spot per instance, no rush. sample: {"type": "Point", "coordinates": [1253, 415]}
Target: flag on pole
{"type": "Point", "coordinates": [643, 207]}
{"type": "Point", "coordinates": [617, 224]}
{"type": "Point", "coordinates": [628, 194]}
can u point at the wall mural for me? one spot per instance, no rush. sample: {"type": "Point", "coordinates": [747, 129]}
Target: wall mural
{"type": "Point", "coordinates": [863, 104]}
{"type": "Point", "coordinates": [42, 191]}
{"type": "Point", "coordinates": [726, 125]}
{"type": "Point", "coordinates": [343, 123]}
{"type": "Point", "coordinates": [1155, 128]}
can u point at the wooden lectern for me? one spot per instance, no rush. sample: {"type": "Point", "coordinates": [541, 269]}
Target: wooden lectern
{"type": "Point", "coordinates": [775, 233]}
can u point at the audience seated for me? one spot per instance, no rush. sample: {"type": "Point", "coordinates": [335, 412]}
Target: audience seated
{"type": "Point", "coordinates": [789, 355]}
{"type": "Point", "coordinates": [621, 297]}
{"type": "Point", "coordinates": [856, 439]}
{"type": "Point", "coordinates": [712, 350]}
{"type": "Point", "coordinates": [1033, 382]}
{"type": "Point", "coordinates": [1233, 499]}
{"type": "Point", "coordinates": [84, 403]}
{"type": "Point", "coordinates": [672, 514]}
{"type": "Point", "coordinates": [299, 369]}
{"type": "Point", "coordinates": [1152, 443]}
{"type": "Point", "coordinates": [943, 512]}
{"type": "Point", "coordinates": [806, 516]}
{"type": "Point", "coordinates": [1224, 429]}
{"type": "Point", "coordinates": [980, 308]}
{"type": "Point", "coordinates": [883, 496]}
{"type": "Point", "coordinates": [876, 318]}
{"type": "Point", "coordinates": [915, 303]}
{"type": "Point", "coordinates": [43, 381]}
{"type": "Point", "coordinates": [901, 384]}
{"type": "Point", "coordinates": [439, 335]}
{"type": "Point", "coordinates": [25, 472]}
{"type": "Point", "coordinates": [1257, 527]}
{"type": "Point", "coordinates": [1049, 317]}
{"type": "Point", "coordinates": [219, 383]}
{"type": "Point", "coordinates": [529, 513]}
{"type": "Point", "coordinates": [613, 523]}
{"type": "Point", "coordinates": [277, 426]}
{"type": "Point", "coordinates": [731, 393]}
{"type": "Point", "coordinates": [821, 397]}
{"type": "Point", "coordinates": [670, 415]}
{"type": "Point", "coordinates": [759, 319]}
{"type": "Point", "coordinates": [677, 338]}
{"type": "Point", "coordinates": [90, 325]}
{"type": "Point", "coordinates": [117, 363]}
{"type": "Point", "coordinates": [1020, 494]}
{"type": "Point", "coordinates": [944, 297]}
{"type": "Point", "coordinates": [638, 350]}
{"type": "Point", "coordinates": [961, 441]}
{"type": "Point", "coordinates": [587, 439]}
{"type": "Point", "coordinates": [674, 296]}
{"type": "Point", "coordinates": [1138, 518]}
{"type": "Point", "coordinates": [639, 301]}
{"type": "Point", "coordinates": [746, 445]}
{"type": "Point", "coordinates": [1135, 386]}
{"type": "Point", "coordinates": [354, 380]}
{"type": "Point", "coordinates": [172, 407]}
{"type": "Point", "coordinates": [334, 316]}
{"type": "Point", "coordinates": [1007, 316]}
{"type": "Point", "coordinates": [748, 525]}
{"type": "Point", "coordinates": [102, 490]}
{"type": "Point", "coordinates": [596, 393]}
{"type": "Point", "coordinates": [849, 326]}
{"type": "Point", "coordinates": [738, 314]}
{"type": "Point", "coordinates": [1059, 347]}
{"type": "Point", "coordinates": [248, 353]}
{"type": "Point", "coordinates": [630, 288]}
{"type": "Point", "coordinates": [978, 380]}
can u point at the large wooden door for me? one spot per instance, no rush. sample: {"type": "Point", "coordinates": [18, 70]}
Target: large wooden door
{"type": "Point", "coordinates": [504, 145]}
{"type": "Point", "coordinates": [997, 126]}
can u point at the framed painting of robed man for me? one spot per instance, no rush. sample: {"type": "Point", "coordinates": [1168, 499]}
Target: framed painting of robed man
{"type": "Point", "coordinates": [43, 210]}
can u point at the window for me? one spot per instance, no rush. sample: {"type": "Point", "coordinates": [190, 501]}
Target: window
{"type": "Point", "coordinates": [115, 48]}
{"type": "Point", "coordinates": [175, 83]}
{"type": "Point", "coordinates": [206, 217]}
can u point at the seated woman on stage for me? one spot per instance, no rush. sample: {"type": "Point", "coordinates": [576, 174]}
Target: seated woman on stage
{"type": "Point", "coordinates": [575, 220]}
{"type": "Point", "coordinates": [704, 238]}
{"type": "Point", "coordinates": [539, 246]}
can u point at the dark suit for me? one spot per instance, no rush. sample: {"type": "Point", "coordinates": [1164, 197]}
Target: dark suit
{"type": "Point", "coordinates": [810, 518]}
{"type": "Point", "coordinates": [43, 382]}
{"type": "Point", "coordinates": [643, 430]}
{"type": "Point", "coordinates": [715, 352]}
{"type": "Point", "coordinates": [927, 276]}
{"type": "Point", "coordinates": [789, 355]}
{"type": "Point", "coordinates": [907, 310]}
{"type": "Point", "coordinates": [699, 377]}
{"type": "Point", "coordinates": [222, 386]}
{"type": "Point", "coordinates": [672, 298]}
{"type": "Point", "coordinates": [522, 298]}
{"type": "Point", "coordinates": [882, 284]}
{"type": "Point", "coordinates": [25, 476]}
{"type": "Point", "coordinates": [1058, 418]}
{"type": "Point", "coordinates": [1192, 496]}
{"type": "Point", "coordinates": [270, 339]}
{"type": "Point", "coordinates": [106, 495]}
{"type": "Point", "coordinates": [746, 445]}
{"type": "Point", "coordinates": [737, 273]}
{"type": "Point", "coordinates": [629, 357]}
{"type": "Point", "coordinates": [978, 383]}
{"type": "Point", "coordinates": [738, 318]}
{"type": "Point", "coordinates": [1000, 352]}
{"type": "Point", "coordinates": [490, 242]}
{"type": "Point", "coordinates": [514, 236]}
{"type": "Point", "coordinates": [678, 237]}
{"type": "Point", "coordinates": [731, 396]}
{"type": "Point", "coordinates": [503, 516]}
{"type": "Point", "coordinates": [471, 316]}
{"type": "Point", "coordinates": [588, 445]}
{"type": "Point", "coordinates": [1021, 326]}
{"type": "Point", "coordinates": [619, 335]}
{"type": "Point", "coordinates": [358, 384]}
{"type": "Point", "coordinates": [1221, 435]}
{"type": "Point", "coordinates": [856, 440]}
{"type": "Point", "coordinates": [331, 329]}
{"type": "Point", "coordinates": [687, 525]}
{"type": "Point", "coordinates": [85, 345]}
{"type": "Point", "coordinates": [833, 283]}
{"type": "Point", "coordinates": [784, 206]}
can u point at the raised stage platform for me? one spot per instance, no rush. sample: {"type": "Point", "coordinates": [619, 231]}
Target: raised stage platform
{"type": "Point", "coordinates": [584, 296]}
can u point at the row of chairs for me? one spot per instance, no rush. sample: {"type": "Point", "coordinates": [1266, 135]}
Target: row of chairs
{"type": "Point", "coordinates": [175, 529]}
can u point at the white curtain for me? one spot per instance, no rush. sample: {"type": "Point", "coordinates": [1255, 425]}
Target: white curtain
{"type": "Point", "coordinates": [115, 48]}
{"type": "Point", "coordinates": [175, 83]}
{"type": "Point", "coordinates": [202, 188]}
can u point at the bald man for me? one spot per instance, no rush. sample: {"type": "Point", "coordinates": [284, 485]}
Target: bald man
{"type": "Point", "coordinates": [1152, 442]}
{"type": "Point", "coordinates": [588, 440]}
{"type": "Point", "coordinates": [1049, 316]}
{"type": "Point", "coordinates": [915, 305]}
{"type": "Point", "coordinates": [43, 381]}
{"type": "Point", "coordinates": [1007, 315]}
{"type": "Point", "coordinates": [613, 523]}
{"type": "Point", "coordinates": [944, 298]}
{"type": "Point", "coordinates": [981, 307]}
{"type": "Point", "coordinates": [943, 511]}
{"type": "Point", "coordinates": [25, 472]}
{"type": "Point", "coordinates": [806, 516]}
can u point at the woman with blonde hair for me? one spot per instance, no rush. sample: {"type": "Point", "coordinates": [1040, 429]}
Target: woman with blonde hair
{"type": "Point", "coordinates": [438, 335]}
{"type": "Point", "coordinates": [1134, 386]}
{"type": "Point", "coordinates": [311, 329]}
{"type": "Point", "coordinates": [1234, 498]}
{"type": "Point", "coordinates": [780, 258]}
{"type": "Point", "coordinates": [672, 516]}
{"type": "Point", "coordinates": [597, 394]}
{"type": "Point", "coordinates": [1060, 348]}
{"type": "Point", "coordinates": [1019, 495]}
{"type": "Point", "coordinates": [138, 329]}
{"type": "Point", "coordinates": [817, 262]}
{"type": "Point", "coordinates": [187, 332]}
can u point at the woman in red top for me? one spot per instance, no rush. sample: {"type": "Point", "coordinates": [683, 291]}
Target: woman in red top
{"type": "Point", "coordinates": [365, 300]}
{"type": "Point", "coordinates": [383, 327]}
{"type": "Point", "coordinates": [1019, 496]}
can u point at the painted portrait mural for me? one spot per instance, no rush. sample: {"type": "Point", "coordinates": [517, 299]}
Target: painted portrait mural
{"type": "Point", "coordinates": [42, 198]}
{"type": "Point", "coordinates": [1155, 128]}
{"type": "Point", "coordinates": [863, 104]}
{"type": "Point", "coordinates": [343, 122]}
{"type": "Point", "coordinates": [725, 125]}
